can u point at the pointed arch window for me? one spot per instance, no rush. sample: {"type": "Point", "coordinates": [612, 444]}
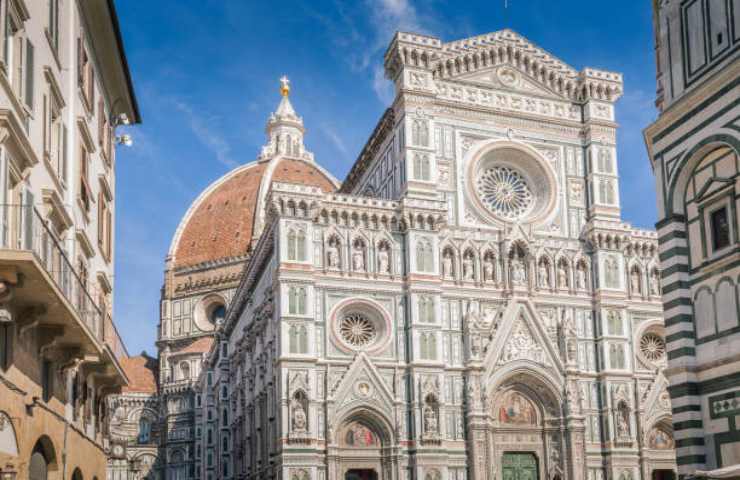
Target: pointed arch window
{"type": "Point", "coordinates": [297, 245]}
{"type": "Point", "coordinates": [297, 300]}
{"type": "Point", "coordinates": [424, 256]}
{"type": "Point", "coordinates": [426, 309]}
{"type": "Point", "coordinates": [422, 168]}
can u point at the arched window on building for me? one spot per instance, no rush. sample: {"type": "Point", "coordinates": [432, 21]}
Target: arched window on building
{"type": "Point", "coordinates": [145, 430]}
{"type": "Point", "coordinates": [297, 300]}
{"type": "Point", "coordinates": [422, 169]}
{"type": "Point", "coordinates": [424, 256]}
{"type": "Point", "coordinates": [184, 370]}
{"type": "Point", "coordinates": [296, 245]}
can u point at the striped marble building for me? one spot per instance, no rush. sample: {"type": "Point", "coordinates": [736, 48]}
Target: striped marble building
{"type": "Point", "coordinates": [693, 147]}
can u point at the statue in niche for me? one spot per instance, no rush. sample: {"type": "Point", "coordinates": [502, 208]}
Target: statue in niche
{"type": "Point", "coordinates": [543, 275]}
{"type": "Point", "coordinates": [581, 277]}
{"type": "Point", "coordinates": [383, 260]}
{"type": "Point", "coordinates": [623, 421]}
{"type": "Point", "coordinates": [635, 281]}
{"type": "Point", "coordinates": [358, 259]}
{"type": "Point", "coordinates": [447, 265]}
{"type": "Point", "coordinates": [299, 417]}
{"type": "Point", "coordinates": [654, 284]}
{"type": "Point", "coordinates": [468, 269]}
{"type": "Point", "coordinates": [518, 276]}
{"type": "Point", "coordinates": [562, 275]}
{"type": "Point", "coordinates": [489, 269]}
{"type": "Point", "coordinates": [332, 254]}
{"type": "Point", "coordinates": [430, 420]}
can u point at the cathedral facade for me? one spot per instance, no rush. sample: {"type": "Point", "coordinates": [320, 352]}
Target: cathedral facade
{"type": "Point", "coordinates": [468, 304]}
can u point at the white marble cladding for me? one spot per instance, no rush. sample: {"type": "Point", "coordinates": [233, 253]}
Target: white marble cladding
{"type": "Point", "coordinates": [500, 100]}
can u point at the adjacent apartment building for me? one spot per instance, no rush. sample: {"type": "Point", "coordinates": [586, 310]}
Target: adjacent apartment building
{"type": "Point", "coordinates": [64, 88]}
{"type": "Point", "coordinates": [693, 147]}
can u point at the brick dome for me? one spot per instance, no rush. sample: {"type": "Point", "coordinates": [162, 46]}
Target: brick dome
{"type": "Point", "coordinates": [221, 223]}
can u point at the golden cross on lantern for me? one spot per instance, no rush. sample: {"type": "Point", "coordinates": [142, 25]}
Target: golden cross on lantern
{"type": "Point", "coordinates": [284, 86]}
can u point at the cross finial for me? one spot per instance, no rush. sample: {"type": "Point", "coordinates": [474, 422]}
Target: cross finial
{"type": "Point", "coordinates": [284, 86]}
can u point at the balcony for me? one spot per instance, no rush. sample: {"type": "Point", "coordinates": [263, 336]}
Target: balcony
{"type": "Point", "coordinates": [43, 291]}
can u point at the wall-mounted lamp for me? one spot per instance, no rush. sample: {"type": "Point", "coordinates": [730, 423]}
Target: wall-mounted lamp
{"type": "Point", "coordinates": [120, 119]}
{"type": "Point", "coordinates": [126, 140]}
{"type": "Point", "coordinates": [8, 473]}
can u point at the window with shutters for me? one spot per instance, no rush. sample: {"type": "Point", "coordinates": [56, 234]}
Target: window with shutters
{"type": "Point", "coordinates": [55, 134]}
{"type": "Point", "coordinates": [105, 133]}
{"type": "Point", "coordinates": [85, 75]}
{"type": "Point", "coordinates": [105, 226]}
{"type": "Point", "coordinates": [47, 379]}
{"type": "Point", "coordinates": [52, 28]}
{"type": "Point", "coordinates": [85, 191]}
{"type": "Point", "coordinates": [6, 339]}
{"type": "Point", "coordinates": [19, 57]}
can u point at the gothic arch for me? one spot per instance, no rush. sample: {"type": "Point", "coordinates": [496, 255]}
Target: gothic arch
{"type": "Point", "coordinates": [535, 380]}
{"type": "Point", "coordinates": [685, 169]}
{"type": "Point", "coordinates": [8, 437]}
{"type": "Point", "coordinates": [371, 418]}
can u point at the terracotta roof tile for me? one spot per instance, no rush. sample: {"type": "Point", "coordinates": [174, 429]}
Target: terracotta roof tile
{"type": "Point", "coordinates": [142, 371]}
{"type": "Point", "coordinates": [200, 345]}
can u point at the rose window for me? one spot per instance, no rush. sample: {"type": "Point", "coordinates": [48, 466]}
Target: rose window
{"type": "Point", "coordinates": [357, 330]}
{"type": "Point", "coordinates": [505, 192]}
{"type": "Point", "coordinates": [652, 347]}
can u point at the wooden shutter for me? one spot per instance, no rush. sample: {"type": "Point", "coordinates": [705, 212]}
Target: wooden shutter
{"type": "Point", "coordinates": [63, 166]}
{"type": "Point", "coordinates": [80, 62]}
{"type": "Point", "coordinates": [29, 74]}
{"type": "Point", "coordinates": [28, 220]}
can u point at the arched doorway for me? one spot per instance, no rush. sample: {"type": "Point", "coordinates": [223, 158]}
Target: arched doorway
{"type": "Point", "coordinates": [527, 441]}
{"type": "Point", "coordinates": [77, 474]}
{"type": "Point", "coordinates": [42, 460]}
{"type": "Point", "coordinates": [362, 447]}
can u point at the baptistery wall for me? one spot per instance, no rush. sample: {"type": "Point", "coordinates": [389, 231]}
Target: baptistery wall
{"type": "Point", "coordinates": [468, 305]}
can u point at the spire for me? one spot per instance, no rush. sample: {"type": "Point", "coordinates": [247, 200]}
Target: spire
{"type": "Point", "coordinates": [285, 129]}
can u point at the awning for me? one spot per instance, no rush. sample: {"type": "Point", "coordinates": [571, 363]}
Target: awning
{"type": "Point", "coordinates": [733, 471]}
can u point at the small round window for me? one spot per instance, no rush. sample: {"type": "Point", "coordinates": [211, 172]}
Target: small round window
{"type": "Point", "coordinates": [217, 314]}
{"type": "Point", "coordinates": [209, 312]}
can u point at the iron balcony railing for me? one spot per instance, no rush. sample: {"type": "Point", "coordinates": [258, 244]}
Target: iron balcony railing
{"type": "Point", "coordinates": [23, 228]}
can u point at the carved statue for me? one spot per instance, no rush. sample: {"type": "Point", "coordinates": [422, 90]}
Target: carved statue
{"type": "Point", "coordinates": [489, 270]}
{"type": "Point", "coordinates": [383, 261]}
{"type": "Point", "coordinates": [299, 417]}
{"type": "Point", "coordinates": [358, 260]}
{"type": "Point", "coordinates": [581, 277]}
{"type": "Point", "coordinates": [654, 284]}
{"type": "Point", "coordinates": [543, 276]}
{"type": "Point", "coordinates": [635, 281]}
{"type": "Point", "coordinates": [430, 420]}
{"type": "Point", "coordinates": [623, 426]}
{"type": "Point", "coordinates": [562, 276]}
{"type": "Point", "coordinates": [447, 265]}
{"type": "Point", "coordinates": [332, 255]}
{"type": "Point", "coordinates": [468, 269]}
{"type": "Point", "coordinates": [518, 276]}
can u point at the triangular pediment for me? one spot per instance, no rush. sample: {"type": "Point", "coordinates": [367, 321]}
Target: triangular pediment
{"type": "Point", "coordinates": [508, 78]}
{"type": "Point", "coordinates": [362, 385]}
{"type": "Point", "coordinates": [521, 339]}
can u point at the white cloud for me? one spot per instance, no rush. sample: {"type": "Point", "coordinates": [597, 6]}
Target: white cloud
{"type": "Point", "coordinates": [209, 137]}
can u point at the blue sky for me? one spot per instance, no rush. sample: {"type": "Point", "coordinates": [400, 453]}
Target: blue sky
{"type": "Point", "coordinates": [205, 74]}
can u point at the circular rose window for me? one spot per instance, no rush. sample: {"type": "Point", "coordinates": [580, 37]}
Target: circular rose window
{"type": "Point", "coordinates": [357, 330]}
{"type": "Point", "coordinates": [652, 347]}
{"type": "Point", "coordinates": [511, 182]}
{"type": "Point", "coordinates": [360, 324]}
{"type": "Point", "coordinates": [505, 192]}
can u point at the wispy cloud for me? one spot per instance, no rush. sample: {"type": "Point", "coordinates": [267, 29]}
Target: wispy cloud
{"type": "Point", "coordinates": [378, 20]}
{"type": "Point", "coordinates": [334, 138]}
{"type": "Point", "coordinates": [208, 136]}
